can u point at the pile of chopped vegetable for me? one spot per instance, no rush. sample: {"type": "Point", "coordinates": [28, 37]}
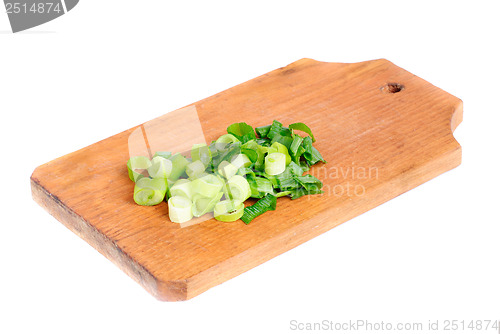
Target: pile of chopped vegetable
{"type": "Point", "coordinates": [265, 163]}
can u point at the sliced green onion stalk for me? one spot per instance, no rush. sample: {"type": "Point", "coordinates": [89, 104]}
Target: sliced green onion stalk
{"type": "Point", "coordinates": [236, 166]}
{"type": "Point", "coordinates": [137, 163]}
{"type": "Point", "coordinates": [162, 154]}
{"type": "Point", "coordinates": [201, 152]}
{"type": "Point", "coordinates": [207, 186]}
{"type": "Point", "coordinates": [195, 169]}
{"type": "Point", "coordinates": [198, 176]}
{"type": "Point", "coordinates": [160, 168]}
{"type": "Point", "coordinates": [179, 209]}
{"type": "Point", "coordinates": [225, 190]}
{"type": "Point", "coordinates": [239, 188]}
{"type": "Point", "coordinates": [227, 169]}
{"type": "Point", "coordinates": [278, 147]}
{"type": "Point", "coordinates": [224, 140]}
{"type": "Point", "coordinates": [275, 163]}
{"type": "Point", "coordinates": [179, 163]}
{"type": "Point", "coordinates": [228, 210]}
{"type": "Point", "coordinates": [170, 183]}
{"type": "Point", "coordinates": [241, 160]}
{"type": "Point", "coordinates": [182, 187]}
{"type": "Point", "coordinates": [263, 205]}
{"type": "Point", "coordinates": [203, 205]}
{"type": "Point", "coordinates": [150, 191]}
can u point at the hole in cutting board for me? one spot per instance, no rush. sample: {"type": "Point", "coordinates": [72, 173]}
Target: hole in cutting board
{"type": "Point", "coordinates": [392, 87]}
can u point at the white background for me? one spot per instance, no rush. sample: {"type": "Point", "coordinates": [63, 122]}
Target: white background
{"type": "Point", "coordinates": [430, 254]}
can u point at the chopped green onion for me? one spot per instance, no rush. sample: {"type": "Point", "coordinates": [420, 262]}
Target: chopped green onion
{"type": "Point", "coordinates": [310, 183]}
{"type": "Point", "coordinates": [262, 131]}
{"type": "Point", "coordinates": [238, 165]}
{"type": "Point", "coordinates": [179, 163]}
{"type": "Point", "coordinates": [239, 188]}
{"type": "Point", "coordinates": [228, 210]}
{"type": "Point", "coordinates": [227, 169]}
{"type": "Point", "coordinates": [286, 180]}
{"type": "Point", "coordinates": [264, 185]}
{"type": "Point", "coordinates": [195, 169]}
{"type": "Point", "coordinates": [179, 209]}
{"type": "Point", "coordinates": [170, 183]}
{"type": "Point", "coordinates": [242, 131]}
{"type": "Point", "coordinates": [261, 206]}
{"type": "Point", "coordinates": [203, 205]}
{"type": "Point", "coordinates": [160, 168]}
{"type": "Point", "coordinates": [251, 155]}
{"type": "Point", "coordinates": [302, 127]}
{"type": "Point", "coordinates": [285, 140]}
{"type": "Point", "coordinates": [297, 140]}
{"type": "Point", "coordinates": [182, 187]}
{"type": "Point", "coordinates": [137, 163]}
{"type": "Point", "coordinates": [163, 154]}
{"type": "Point", "coordinates": [222, 142]}
{"type": "Point", "coordinates": [275, 129]}
{"type": "Point", "coordinates": [241, 160]}
{"type": "Point", "coordinates": [278, 147]}
{"type": "Point", "coordinates": [150, 191]}
{"type": "Point", "coordinates": [207, 186]}
{"type": "Point", "coordinates": [275, 163]}
{"type": "Point", "coordinates": [283, 193]}
{"type": "Point", "coordinates": [295, 169]}
{"type": "Point", "coordinates": [316, 157]}
{"type": "Point", "coordinates": [201, 152]}
{"type": "Point", "coordinates": [311, 154]}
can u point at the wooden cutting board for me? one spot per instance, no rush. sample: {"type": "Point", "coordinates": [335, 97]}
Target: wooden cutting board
{"type": "Point", "coordinates": [382, 130]}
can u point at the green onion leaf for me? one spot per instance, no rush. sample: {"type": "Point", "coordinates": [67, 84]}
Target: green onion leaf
{"type": "Point", "coordinates": [261, 206]}
{"type": "Point", "coordinates": [275, 129]}
{"type": "Point", "coordinates": [316, 157]}
{"type": "Point", "coordinates": [242, 131]}
{"type": "Point", "coordinates": [309, 182]}
{"type": "Point", "coordinates": [297, 140]}
{"type": "Point", "coordinates": [285, 140]}
{"type": "Point", "coordinates": [262, 131]}
{"type": "Point", "coordinates": [295, 169]}
{"type": "Point", "coordinates": [263, 185]}
{"type": "Point", "coordinates": [302, 127]}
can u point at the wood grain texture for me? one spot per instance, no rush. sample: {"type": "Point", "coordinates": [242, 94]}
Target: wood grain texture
{"type": "Point", "coordinates": [363, 124]}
